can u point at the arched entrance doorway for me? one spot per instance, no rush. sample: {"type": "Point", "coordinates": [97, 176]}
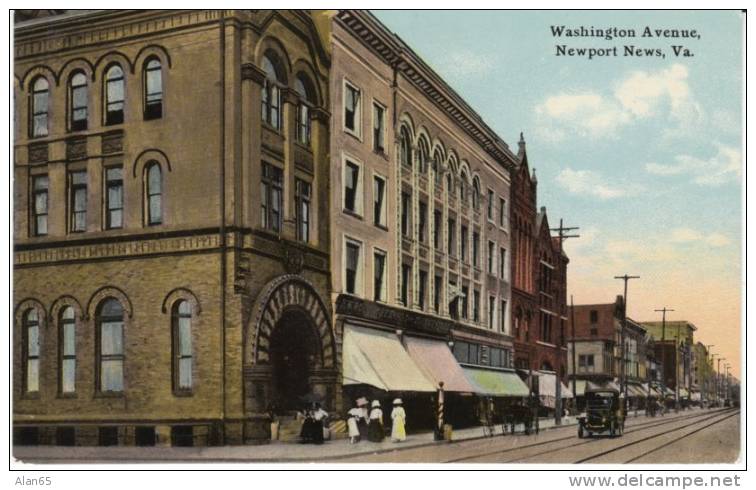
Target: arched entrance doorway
{"type": "Point", "coordinates": [289, 352]}
{"type": "Point", "coordinates": [294, 355]}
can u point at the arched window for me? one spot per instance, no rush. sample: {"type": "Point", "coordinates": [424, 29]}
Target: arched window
{"type": "Point", "coordinates": [114, 95]}
{"type": "Point", "coordinates": [450, 184]}
{"type": "Point", "coordinates": [422, 156]}
{"type": "Point", "coordinates": [154, 194]}
{"type": "Point", "coordinates": [153, 89]}
{"type": "Point", "coordinates": [271, 93]}
{"type": "Point", "coordinates": [77, 102]}
{"type": "Point", "coordinates": [302, 88]}
{"type": "Point", "coordinates": [40, 107]}
{"type": "Point", "coordinates": [67, 346]}
{"type": "Point", "coordinates": [476, 193]}
{"type": "Point", "coordinates": [405, 147]}
{"type": "Point", "coordinates": [182, 346]}
{"type": "Point", "coordinates": [110, 346]}
{"type": "Point", "coordinates": [31, 351]}
{"type": "Point", "coordinates": [462, 186]}
{"type": "Point", "coordinates": [437, 159]}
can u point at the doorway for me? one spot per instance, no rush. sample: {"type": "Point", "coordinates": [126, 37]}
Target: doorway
{"type": "Point", "coordinates": [294, 348]}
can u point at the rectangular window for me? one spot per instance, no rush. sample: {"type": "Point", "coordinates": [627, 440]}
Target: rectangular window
{"type": "Point", "coordinates": [437, 221]}
{"type": "Point", "coordinates": [114, 197]}
{"type": "Point", "coordinates": [78, 198]}
{"type": "Point", "coordinates": [352, 267]}
{"type": "Point", "coordinates": [490, 205]}
{"type": "Point", "coordinates": [352, 111]}
{"type": "Point", "coordinates": [68, 355]}
{"type": "Point", "coordinates": [422, 224]}
{"type": "Point", "coordinates": [476, 249]}
{"type": "Point", "coordinates": [378, 127]}
{"type": "Point", "coordinates": [491, 257]}
{"type": "Point", "coordinates": [473, 353]}
{"type": "Point", "coordinates": [379, 273]}
{"type": "Point", "coordinates": [32, 355]}
{"type": "Point", "coordinates": [594, 316]}
{"type": "Point", "coordinates": [304, 125]}
{"type": "Point", "coordinates": [502, 213]}
{"type": "Point", "coordinates": [437, 285]}
{"type": "Point", "coordinates": [503, 316]}
{"type": "Point", "coordinates": [406, 201]}
{"type": "Point", "coordinates": [302, 198]}
{"type": "Point", "coordinates": [406, 277]}
{"type": "Point", "coordinates": [454, 303]}
{"type": "Point", "coordinates": [40, 188]}
{"type": "Point", "coordinates": [422, 288]}
{"type": "Point", "coordinates": [451, 233]}
{"type": "Point", "coordinates": [463, 242]}
{"type": "Point", "coordinates": [462, 352]}
{"type": "Point", "coordinates": [465, 301]}
{"type": "Point", "coordinates": [271, 199]}
{"type": "Point", "coordinates": [351, 187]}
{"type": "Point", "coordinates": [476, 306]}
{"type": "Point", "coordinates": [111, 355]}
{"type": "Point", "coordinates": [503, 263]}
{"type": "Point", "coordinates": [491, 312]}
{"type": "Point", "coordinates": [379, 193]}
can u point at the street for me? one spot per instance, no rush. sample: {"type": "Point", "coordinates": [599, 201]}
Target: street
{"type": "Point", "coordinates": [690, 436]}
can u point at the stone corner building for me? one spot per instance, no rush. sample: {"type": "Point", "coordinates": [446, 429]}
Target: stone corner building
{"type": "Point", "coordinates": [171, 244]}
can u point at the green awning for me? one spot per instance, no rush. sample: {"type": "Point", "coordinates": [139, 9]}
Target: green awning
{"type": "Point", "coordinates": [496, 383]}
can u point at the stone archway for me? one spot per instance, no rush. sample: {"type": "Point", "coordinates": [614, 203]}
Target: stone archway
{"type": "Point", "coordinates": [289, 349]}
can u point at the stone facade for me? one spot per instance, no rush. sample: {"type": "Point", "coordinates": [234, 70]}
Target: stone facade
{"type": "Point", "coordinates": [202, 240]}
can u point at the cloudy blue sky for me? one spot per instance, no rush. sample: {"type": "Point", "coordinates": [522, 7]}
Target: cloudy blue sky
{"type": "Point", "coordinates": [643, 153]}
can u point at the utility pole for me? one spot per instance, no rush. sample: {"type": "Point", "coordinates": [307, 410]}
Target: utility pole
{"type": "Point", "coordinates": [677, 370]}
{"type": "Point", "coordinates": [664, 311]}
{"type": "Point", "coordinates": [563, 235]}
{"type": "Point", "coordinates": [718, 377]}
{"type": "Point", "coordinates": [708, 377]}
{"type": "Point", "coordinates": [727, 382]}
{"type": "Point", "coordinates": [623, 381]}
{"type": "Point", "coordinates": [574, 361]}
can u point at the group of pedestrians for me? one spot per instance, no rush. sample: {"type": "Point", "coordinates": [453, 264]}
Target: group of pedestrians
{"type": "Point", "coordinates": [368, 424]}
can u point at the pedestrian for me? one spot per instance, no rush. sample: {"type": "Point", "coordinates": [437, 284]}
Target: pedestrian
{"type": "Point", "coordinates": [362, 422]}
{"type": "Point", "coordinates": [319, 417]}
{"type": "Point", "coordinates": [375, 426]}
{"type": "Point", "coordinates": [305, 435]}
{"type": "Point", "coordinates": [354, 415]}
{"type": "Point", "coordinates": [398, 418]}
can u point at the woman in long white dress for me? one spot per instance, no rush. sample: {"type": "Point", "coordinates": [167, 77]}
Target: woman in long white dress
{"type": "Point", "coordinates": [353, 417]}
{"type": "Point", "coordinates": [398, 417]}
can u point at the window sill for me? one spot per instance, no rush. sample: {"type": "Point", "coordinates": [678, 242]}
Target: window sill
{"type": "Point", "coordinates": [381, 153]}
{"type": "Point", "coordinates": [183, 393]}
{"type": "Point", "coordinates": [353, 134]}
{"type": "Point", "coordinates": [353, 214]}
{"type": "Point", "coordinates": [109, 394]}
{"type": "Point", "coordinates": [71, 396]}
{"type": "Point", "coordinates": [30, 395]}
{"type": "Point", "coordinates": [270, 127]}
{"type": "Point", "coordinates": [382, 227]}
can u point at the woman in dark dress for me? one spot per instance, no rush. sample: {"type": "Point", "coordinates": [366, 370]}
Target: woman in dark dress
{"type": "Point", "coordinates": [307, 427]}
{"type": "Point", "coordinates": [362, 422]}
{"type": "Point", "coordinates": [375, 426]}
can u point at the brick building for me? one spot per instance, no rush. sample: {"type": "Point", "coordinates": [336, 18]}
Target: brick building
{"type": "Point", "coordinates": [171, 239]}
{"type": "Point", "coordinates": [539, 285]}
{"type": "Point", "coordinates": [674, 347]}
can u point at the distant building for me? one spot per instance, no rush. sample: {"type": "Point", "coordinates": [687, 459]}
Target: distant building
{"type": "Point", "coordinates": [674, 346]}
{"type": "Point", "coordinates": [539, 287]}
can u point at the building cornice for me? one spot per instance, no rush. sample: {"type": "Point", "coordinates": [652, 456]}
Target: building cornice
{"type": "Point", "coordinates": [389, 47]}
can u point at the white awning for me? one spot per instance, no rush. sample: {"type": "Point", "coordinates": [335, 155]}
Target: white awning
{"type": "Point", "coordinates": [547, 383]}
{"type": "Point", "coordinates": [378, 358]}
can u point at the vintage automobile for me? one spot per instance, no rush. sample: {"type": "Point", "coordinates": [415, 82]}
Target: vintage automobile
{"type": "Point", "coordinates": [604, 412]}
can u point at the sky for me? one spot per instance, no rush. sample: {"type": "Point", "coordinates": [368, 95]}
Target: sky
{"type": "Point", "coordinates": [643, 153]}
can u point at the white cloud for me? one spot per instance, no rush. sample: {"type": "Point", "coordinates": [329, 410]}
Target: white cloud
{"type": "Point", "coordinates": [689, 235]}
{"type": "Point", "coordinates": [723, 167]}
{"type": "Point", "coordinates": [641, 95]}
{"type": "Point", "coordinates": [587, 182]}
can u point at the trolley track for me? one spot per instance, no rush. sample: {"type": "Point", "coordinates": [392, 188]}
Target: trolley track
{"type": "Point", "coordinates": [632, 429]}
{"type": "Point", "coordinates": [718, 417]}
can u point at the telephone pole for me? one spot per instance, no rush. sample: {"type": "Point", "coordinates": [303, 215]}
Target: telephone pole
{"type": "Point", "coordinates": [664, 350]}
{"type": "Point", "coordinates": [623, 381]}
{"type": "Point", "coordinates": [708, 375]}
{"type": "Point", "coordinates": [563, 234]}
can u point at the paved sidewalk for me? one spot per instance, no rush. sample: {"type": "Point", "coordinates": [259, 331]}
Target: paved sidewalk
{"type": "Point", "coordinates": [273, 452]}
